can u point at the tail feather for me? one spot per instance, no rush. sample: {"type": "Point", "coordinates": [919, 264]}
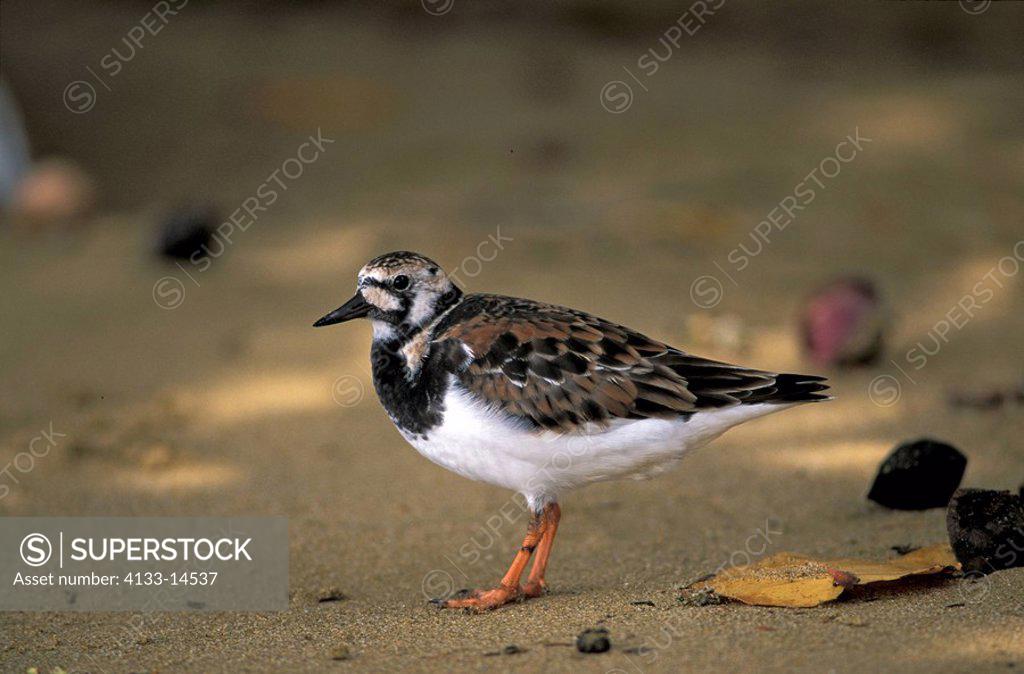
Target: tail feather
{"type": "Point", "coordinates": [714, 384]}
{"type": "Point", "coordinates": [791, 388]}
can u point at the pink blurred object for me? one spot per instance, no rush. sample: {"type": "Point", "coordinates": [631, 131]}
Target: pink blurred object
{"type": "Point", "coordinates": [843, 323]}
{"type": "Point", "coordinates": [54, 191]}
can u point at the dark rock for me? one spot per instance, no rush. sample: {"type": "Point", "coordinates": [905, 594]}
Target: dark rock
{"type": "Point", "coordinates": [918, 475]}
{"type": "Point", "coordinates": [185, 233]}
{"type": "Point", "coordinates": [904, 549]}
{"type": "Point", "coordinates": [986, 529]}
{"type": "Point", "coordinates": [593, 641]}
{"type": "Point", "coordinates": [642, 602]}
{"type": "Point", "coordinates": [843, 323]}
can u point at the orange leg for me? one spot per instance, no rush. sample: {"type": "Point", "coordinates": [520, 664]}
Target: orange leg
{"type": "Point", "coordinates": [508, 591]}
{"type": "Point", "coordinates": [535, 585]}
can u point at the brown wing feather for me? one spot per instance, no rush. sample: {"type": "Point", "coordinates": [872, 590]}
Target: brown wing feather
{"type": "Point", "coordinates": [560, 368]}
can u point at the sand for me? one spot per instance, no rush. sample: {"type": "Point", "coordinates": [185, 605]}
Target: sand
{"type": "Point", "coordinates": [231, 404]}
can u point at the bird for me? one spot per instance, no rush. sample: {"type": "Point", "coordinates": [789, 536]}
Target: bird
{"type": "Point", "coordinates": [539, 398]}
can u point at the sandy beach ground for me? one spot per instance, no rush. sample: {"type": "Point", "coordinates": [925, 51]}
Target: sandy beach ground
{"type": "Point", "coordinates": [493, 153]}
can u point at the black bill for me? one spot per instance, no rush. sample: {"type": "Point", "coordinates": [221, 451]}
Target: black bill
{"type": "Point", "coordinates": [356, 307]}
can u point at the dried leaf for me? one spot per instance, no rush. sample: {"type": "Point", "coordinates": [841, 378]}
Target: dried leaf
{"type": "Point", "coordinates": [792, 580]}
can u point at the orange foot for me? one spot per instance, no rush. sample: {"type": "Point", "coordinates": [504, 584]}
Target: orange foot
{"type": "Point", "coordinates": [535, 588]}
{"type": "Point", "coordinates": [485, 600]}
{"type": "Point", "coordinates": [539, 536]}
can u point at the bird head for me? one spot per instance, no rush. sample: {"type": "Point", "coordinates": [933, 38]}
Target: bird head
{"type": "Point", "coordinates": [399, 292]}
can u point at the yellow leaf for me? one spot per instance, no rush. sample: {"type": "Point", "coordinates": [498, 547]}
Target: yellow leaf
{"type": "Point", "coordinates": [796, 581]}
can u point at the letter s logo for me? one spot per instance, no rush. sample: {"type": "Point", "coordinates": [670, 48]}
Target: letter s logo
{"type": "Point", "coordinates": [36, 549]}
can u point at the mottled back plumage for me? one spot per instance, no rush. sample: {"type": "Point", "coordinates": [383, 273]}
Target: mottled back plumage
{"type": "Point", "coordinates": [560, 368]}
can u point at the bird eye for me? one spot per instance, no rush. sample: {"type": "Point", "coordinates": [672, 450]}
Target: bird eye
{"type": "Point", "coordinates": [400, 282]}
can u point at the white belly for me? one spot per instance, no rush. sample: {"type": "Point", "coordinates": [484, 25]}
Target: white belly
{"type": "Point", "coordinates": [483, 445]}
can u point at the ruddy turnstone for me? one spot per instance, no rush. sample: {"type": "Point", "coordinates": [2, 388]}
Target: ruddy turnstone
{"type": "Point", "coordinates": [541, 398]}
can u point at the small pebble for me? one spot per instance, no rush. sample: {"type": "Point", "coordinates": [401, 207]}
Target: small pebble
{"type": "Point", "coordinates": [918, 475]}
{"type": "Point", "coordinates": [341, 652]}
{"type": "Point", "coordinates": [185, 233]}
{"type": "Point", "coordinates": [593, 641]}
{"type": "Point", "coordinates": [511, 649]}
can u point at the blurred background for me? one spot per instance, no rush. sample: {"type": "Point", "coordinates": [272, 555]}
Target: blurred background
{"type": "Point", "coordinates": [185, 186]}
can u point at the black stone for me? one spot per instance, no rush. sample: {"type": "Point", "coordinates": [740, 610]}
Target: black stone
{"type": "Point", "coordinates": [986, 529]}
{"type": "Point", "coordinates": [593, 641]}
{"type": "Point", "coordinates": [918, 475]}
{"type": "Point", "coordinates": [511, 649]}
{"type": "Point", "coordinates": [185, 233]}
